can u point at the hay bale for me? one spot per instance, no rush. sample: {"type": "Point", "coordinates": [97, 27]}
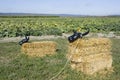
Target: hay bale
{"type": "Point", "coordinates": [78, 59]}
{"type": "Point", "coordinates": [39, 48]}
{"type": "Point", "coordinates": [92, 63]}
{"type": "Point", "coordinates": [90, 46]}
{"type": "Point", "coordinates": [90, 50]}
{"type": "Point", "coordinates": [90, 55]}
{"type": "Point", "coordinates": [91, 42]}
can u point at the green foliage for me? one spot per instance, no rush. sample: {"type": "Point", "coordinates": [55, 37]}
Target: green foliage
{"type": "Point", "coordinates": [37, 26]}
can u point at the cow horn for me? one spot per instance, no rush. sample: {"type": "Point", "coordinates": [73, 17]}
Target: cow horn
{"type": "Point", "coordinates": [85, 33]}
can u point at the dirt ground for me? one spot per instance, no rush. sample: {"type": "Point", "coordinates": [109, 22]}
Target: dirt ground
{"type": "Point", "coordinates": [17, 39]}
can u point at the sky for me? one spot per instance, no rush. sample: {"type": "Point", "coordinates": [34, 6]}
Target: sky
{"type": "Point", "coordinates": [79, 7]}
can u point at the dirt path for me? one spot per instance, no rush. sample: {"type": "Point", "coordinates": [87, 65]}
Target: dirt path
{"type": "Point", "coordinates": [17, 39]}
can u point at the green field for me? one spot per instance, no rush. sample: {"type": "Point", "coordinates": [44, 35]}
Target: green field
{"type": "Point", "coordinates": [17, 66]}
{"type": "Point", "coordinates": [37, 26]}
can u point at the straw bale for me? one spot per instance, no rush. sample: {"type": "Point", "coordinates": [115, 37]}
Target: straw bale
{"type": "Point", "coordinates": [77, 58]}
{"type": "Point", "coordinates": [93, 63]}
{"type": "Point", "coordinates": [39, 48]}
{"type": "Point", "coordinates": [90, 55]}
{"type": "Point", "coordinates": [90, 50]}
{"type": "Point", "coordinates": [90, 46]}
{"type": "Point", "coordinates": [91, 42]}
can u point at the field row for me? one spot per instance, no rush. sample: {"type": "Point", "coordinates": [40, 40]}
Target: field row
{"type": "Point", "coordinates": [13, 27]}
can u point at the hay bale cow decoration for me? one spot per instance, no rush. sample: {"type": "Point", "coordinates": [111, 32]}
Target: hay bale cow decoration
{"type": "Point", "coordinates": [90, 55]}
{"type": "Point", "coordinates": [37, 48]}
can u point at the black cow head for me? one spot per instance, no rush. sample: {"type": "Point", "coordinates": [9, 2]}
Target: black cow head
{"type": "Point", "coordinates": [24, 40]}
{"type": "Point", "coordinates": [77, 35]}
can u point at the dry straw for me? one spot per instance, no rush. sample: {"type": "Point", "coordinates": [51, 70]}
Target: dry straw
{"type": "Point", "coordinates": [93, 63]}
{"type": "Point", "coordinates": [39, 48]}
{"type": "Point", "coordinates": [91, 50]}
{"type": "Point", "coordinates": [91, 42]}
{"type": "Point", "coordinates": [91, 55]}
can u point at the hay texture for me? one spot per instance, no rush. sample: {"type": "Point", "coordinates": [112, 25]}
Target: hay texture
{"type": "Point", "coordinates": [39, 49]}
{"type": "Point", "coordinates": [90, 55]}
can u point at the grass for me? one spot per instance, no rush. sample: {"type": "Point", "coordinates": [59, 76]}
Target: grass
{"type": "Point", "coordinates": [16, 66]}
